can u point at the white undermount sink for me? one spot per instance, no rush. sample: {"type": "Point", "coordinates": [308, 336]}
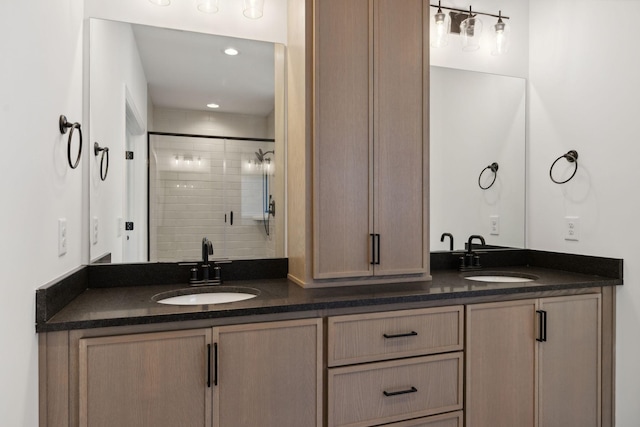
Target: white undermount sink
{"type": "Point", "coordinates": [498, 277]}
{"type": "Point", "coordinates": [206, 295]}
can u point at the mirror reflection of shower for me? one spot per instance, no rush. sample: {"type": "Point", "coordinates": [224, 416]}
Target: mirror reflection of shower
{"type": "Point", "coordinates": [268, 203]}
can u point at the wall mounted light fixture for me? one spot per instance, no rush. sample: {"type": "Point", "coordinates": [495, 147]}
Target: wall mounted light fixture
{"type": "Point", "coordinates": [252, 9]}
{"type": "Point", "coordinates": [469, 26]}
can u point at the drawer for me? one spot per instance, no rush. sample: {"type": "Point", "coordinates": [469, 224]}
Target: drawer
{"type": "Point", "coordinates": [452, 419]}
{"type": "Point", "coordinates": [384, 392]}
{"type": "Point", "coordinates": [389, 335]}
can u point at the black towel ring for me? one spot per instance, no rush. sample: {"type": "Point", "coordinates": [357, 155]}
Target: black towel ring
{"type": "Point", "coordinates": [572, 157]}
{"type": "Point", "coordinates": [105, 151]}
{"type": "Point", "coordinates": [493, 167]}
{"type": "Point", "coordinates": [63, 124]}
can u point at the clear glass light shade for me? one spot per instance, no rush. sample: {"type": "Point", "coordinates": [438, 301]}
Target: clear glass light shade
{"type": "Point", "coordinates": [440, 29]}
{"type": "Point", "coordinates": [253, 8]}
{"type": "Point", "coordinates": [208, 6]}
{"type": "Point", "coordinates": [470, 31]}
{"type": "Point", "coordinates": [500, 42]}
{"type": "Point", "coordinates": [161, 2]}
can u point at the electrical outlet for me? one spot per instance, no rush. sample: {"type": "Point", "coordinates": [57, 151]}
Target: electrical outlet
{"type": "Point", "coordinates": [494, 221]}
{"type": "Point", "coordinates": [572, 228]}
{"type": "Point", "coordinates": [62, 236]}
{"type": "Point", "coordinates": [94, 230]}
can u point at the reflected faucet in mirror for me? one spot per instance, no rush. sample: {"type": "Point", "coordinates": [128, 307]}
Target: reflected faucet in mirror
{"type": "Point", "coordinates": [450, 236]}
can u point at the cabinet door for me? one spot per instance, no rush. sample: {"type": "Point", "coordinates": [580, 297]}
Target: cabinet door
{"type": "Point", "coordinates": [342, 140]}
{"type": "Point", "coordinates": [155, 379]}
{"type": "Point", "coordinates": [269, 375]}
{"type": "Point", "coordinates": [400, 134]}
{"type": "Point", "coordinates": [500, 359]}
{"type": "Point", "coordinates": [569, 362]}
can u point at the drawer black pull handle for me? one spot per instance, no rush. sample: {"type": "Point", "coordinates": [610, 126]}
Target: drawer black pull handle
{"type": "Point", "coordinates": [396, 393]}
{"type": "Point", "coordinates": [408, 334]}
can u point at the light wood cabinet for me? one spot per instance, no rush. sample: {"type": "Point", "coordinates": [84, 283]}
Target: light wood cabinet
{"type": "Point", "coordinates": [534, 363]}
{"type": "Point", "coordinates": [157, 379]}
{"type": "Point", "coordinates": [361, 338]}
{"type": "Point", "coordinates": [267, 374]}
{"type": "Point", "coordinates": [361, 86]}
{"type": "Point", "coordinates": [391, 386]}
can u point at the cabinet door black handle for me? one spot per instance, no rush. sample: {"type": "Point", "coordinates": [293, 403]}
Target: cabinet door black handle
{"type": "Point", "coordinates": [378, 246]}
{"type": "Point", "coordinates": [408, 334]}
{"type": "Point", "coordinates": [373, 248]}
{"type": "Point", "coordinates": [231, 218]}
{"type": "Point", "coordinates": [395, 393]}
{"type": "Point", "coordinates": [225, 218]}
{"type": "Point", "coordinates": [215, 363]}
{"type": "Point", "coordinates": [542, 326]}
{"type": "Point", "coordinates": [209, 365]}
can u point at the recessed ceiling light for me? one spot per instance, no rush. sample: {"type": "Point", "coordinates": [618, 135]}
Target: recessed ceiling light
{"type": "Point", "coordinates": [212, 105]}
{"type": "Point", "coordinates": [161, 2]}
{"type": "Point", "coordinates": [231, 51]}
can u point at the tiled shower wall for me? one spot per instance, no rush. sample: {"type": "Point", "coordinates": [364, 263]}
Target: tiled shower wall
{"type": "Point", "coordinates": [195, 185]}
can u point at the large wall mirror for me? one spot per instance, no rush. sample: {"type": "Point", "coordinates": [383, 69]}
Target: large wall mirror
{"type": "Point", "coordinates": [477, 120]}
{"type": "Point", "coordinates": [179, 170]}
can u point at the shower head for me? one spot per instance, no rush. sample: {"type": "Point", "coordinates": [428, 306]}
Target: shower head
{"type": "Point", "coordinates": [261, 155]}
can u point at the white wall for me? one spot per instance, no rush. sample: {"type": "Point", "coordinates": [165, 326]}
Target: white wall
{"type": "Point", "coordinates": [183, 15]}
{"type": "Point", "coordinates": [513, 63]}
{"type": "Point", "coordinates": [210, 123]}
{"type": "Point", "coordinates": [41, 48]}
{"type": "Point", "coordinates": [584, 95]}
{"type": "Point", "coordinates": [113, 43]}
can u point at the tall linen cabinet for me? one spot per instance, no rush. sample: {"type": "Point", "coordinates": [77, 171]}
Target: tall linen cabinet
{"type": "Point", "coordinates": [358, 74]}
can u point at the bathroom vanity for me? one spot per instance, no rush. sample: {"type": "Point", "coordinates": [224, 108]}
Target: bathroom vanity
{"type": "Point", "coordinates": [430, 353]}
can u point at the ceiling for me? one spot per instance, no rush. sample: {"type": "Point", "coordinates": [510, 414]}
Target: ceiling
{"type": "Point", "coordinates": [188, 70]}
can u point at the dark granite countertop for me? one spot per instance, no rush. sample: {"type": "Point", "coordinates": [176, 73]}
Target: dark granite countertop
{"type": "Point", "coordinates": [133, 305]}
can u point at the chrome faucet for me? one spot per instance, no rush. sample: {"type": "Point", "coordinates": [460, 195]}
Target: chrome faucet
{"type": "Point", "coordinates": [207, 249]}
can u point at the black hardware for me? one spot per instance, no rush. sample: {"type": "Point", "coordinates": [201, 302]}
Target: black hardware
{"type": "Point", "coordinates": [572, 157]}
{"type": "Point", "coordinates": [408, 334]}
{"type": "Point", "coordinates": [373, 248]}
{"type": "Point", "coordinates": [225, 218]}
{"type": "Point", "coordinates": [105, 151]}
{"type": "Point", "coordinates": [468, 12]}
{"type": "Point", "coordinates": [209, 365]}
{"type": "Point", "coordinates": [542, 326]}
{"type": "Point", "coordinates": [63, 125]}
{"type": "Point", "coordinates": [231, 218]}
{"type": "Point", "coordinates": [128, 155]}
{"type": "Point", "coordinates": [493, 167]}
{"type": "Point", "coordinates": [450, 236]}
{"type": "Point", "coordinates": [396, 393]}
{"type": "Point", "coordinates": [378, 249]}
{"type": "Point", "coordinates": [128, 225]}
{"type": "Point", "coordinates": [215, 364]}
{"type": "Point", "coordinates": [470, 260]}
